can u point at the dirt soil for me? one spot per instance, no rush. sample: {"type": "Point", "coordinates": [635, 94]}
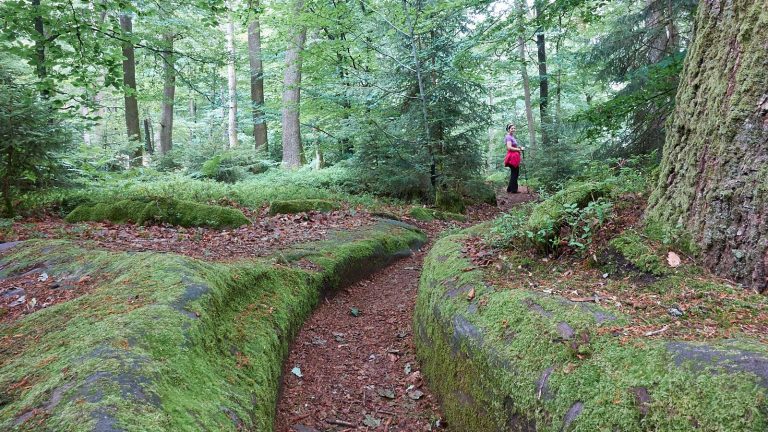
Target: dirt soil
{"type": "Point", "coordinates": [347, 372]}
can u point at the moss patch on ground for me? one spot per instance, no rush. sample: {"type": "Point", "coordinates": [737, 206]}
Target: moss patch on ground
{"type": "Point", "coordinates": [635, 249]}
{"type": "Point", "coordinates": [300, 206]}
{"type": "Point", "coordinates": [425, 214]}
{"type": "Point", "coordinates": [170, 211]}
{"type": "Point", "coordinates": [506, 357]}
{"type": "Point", "coordinates": [551, 213]}
{"type": "Point", "coordinates": [169, 342]}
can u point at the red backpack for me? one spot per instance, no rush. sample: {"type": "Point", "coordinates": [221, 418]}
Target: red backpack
{"type": "Point", "coordinates": [512, 159]}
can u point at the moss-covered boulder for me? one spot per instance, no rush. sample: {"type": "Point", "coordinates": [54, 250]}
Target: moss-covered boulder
{"type": "Point", "coordinates": [170, 211]}
{"type": "Point", "coordinates": [449, 200]}
{"type": "Point", "coordinates": [300, 206]}
{"type": "Point", "coordinates": [630, 253]}
{"type": "Point", "coordinates": [519, 360]}
{"type": "Point", "coordinates": [164, 342]}
{"type": "Point", "coordinates": [551, 212]}
{"type": "Point", "coordinates": [425, 214]}
{"type": "Point", "coordinates": [478, 191]}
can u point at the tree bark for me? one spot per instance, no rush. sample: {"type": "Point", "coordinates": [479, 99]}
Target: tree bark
{"type": "Point", "coordinates": [232, 84]}
{"type": "Point", "coordinates": [715, 162]}
{"type": "Point", "coordinates": [149, 146]}
{"type": "Point", "coordinates": [257, 81]}
{"type": "Point", "coordinates": [169, 93]}
{"type": "Point", "coordinates": [40, 68]}
{"type": "Point", "coordinates": [524, 75]}
{"type": "Point", "coordinates": [129, 83]}
{"type": "Point", "coordinates": [541, 48]}
{"type": "Point", "coordinates": [292, 149]}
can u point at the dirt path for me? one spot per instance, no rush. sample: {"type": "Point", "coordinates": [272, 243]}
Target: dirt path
{"type": "Point", "coordinates": [357, 370]}
{"type": "Point", "coordinates": [360, 372]}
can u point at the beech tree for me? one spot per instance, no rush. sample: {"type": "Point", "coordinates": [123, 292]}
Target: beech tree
{"type": "Point", "coordinates": [292, 149]}
{"type": "Point", "coordinates": [257, 78]}
{"type": "Point", "coordinates": [169, 93]}
{"type": "Point", "coordinates": [715, 163]}
{"type": "Point", "coordinates": [129, 82]}
{"type": "Point", "coordinates": [231, 83]}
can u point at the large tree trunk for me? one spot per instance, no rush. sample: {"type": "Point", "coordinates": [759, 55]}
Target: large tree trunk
{"type": "Point", "coordinates": [129, 82]}
{"type": "Point", "coordinates": [257, 81]}
{"type": "Point", "coordinates": [524, 75]}
{"type": "Point", "coordinates": [292, 150]}
{"type": "Point", "coordinates": [541, 48]}
{"type": "Point", "coordinates": [715, 163]}
{"type": "Point", "coordinates": [232, 84]}
{"type": "Point", "coordinates": [169, 93]}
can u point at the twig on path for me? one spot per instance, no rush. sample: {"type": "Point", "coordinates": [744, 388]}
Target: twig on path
{"type": "Point", "coordinates": [655, 332]}
{"type": "Point", "coordinates": [339, 422]}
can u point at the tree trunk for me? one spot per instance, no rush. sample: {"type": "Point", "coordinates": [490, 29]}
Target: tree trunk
{"type": "Point", "coordinates": [40, 68]}
{"type": "Point", "coordinates": [257, 81]}
{"type": "Point", "coordinates": [149, 146]}
{"type": "Point", "coordinates": [292, 97]}
{"type": "Point", "coordinates": [715, 162]}
{"type": "Point", "coordinates": [524, 75]}
{"type": "Point", "coordinates": [543, 82]}
{"type": "Point", "coordinates": [169, 93]}
{"type": "Point", "coordinates": [232, 84]}
{"type": "Point", "coordinates": [129, 83]}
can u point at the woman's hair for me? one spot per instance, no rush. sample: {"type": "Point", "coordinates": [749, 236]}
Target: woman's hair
{"type": "Point", "coordinates": [509, 126]}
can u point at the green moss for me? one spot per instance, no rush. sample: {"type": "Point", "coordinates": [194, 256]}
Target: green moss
{"type": "Point", "coordinates": [479, 191]}
{"type": "Point", "coordinates": [449, 200]}
{"type": "Point", "coordinates": [425, 214]}
{"type": "Point", "coordinates": [165, 342]}
{"type": "Point", "coordinates": [549, 214]}
{"type": "Point", "coordinates": [486, 358]}
{"type": "Point", "coordinates": [638, 252]}
{"type": "Point", "coordinates": [300, 206]}
{"type": "Point", "coordinates": [170, 211]}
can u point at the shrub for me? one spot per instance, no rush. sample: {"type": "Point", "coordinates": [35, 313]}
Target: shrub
{"type": "Point", "coordinates": [300, 206]}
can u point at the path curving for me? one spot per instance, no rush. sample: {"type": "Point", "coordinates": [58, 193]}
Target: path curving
{"type": "Point", "coordinates": [357, 370]}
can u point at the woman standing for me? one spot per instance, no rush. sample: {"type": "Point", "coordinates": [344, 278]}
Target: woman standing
{"type": "Point", "coordinates": [512, 160]}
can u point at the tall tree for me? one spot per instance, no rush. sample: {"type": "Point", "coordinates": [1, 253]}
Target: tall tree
{"type": "Point", "coordinates": [169, 93]}
{"type": "Point", "coordinates": [231, 82]}
{"type": "Point", "coordinates": [257, 78]}
{"type": "Point", "coordinates": [541, 53]}
{"type": "Point", "coordinates": [715, 161]}
{"type": "Point", "coordinates": [521, 42]}
{"type": "Point", "coordinates": [292, 149]}
{"type": "Point", "coordinates": [40, 40]}
{"type": "Point", "coordinates": [129, 83]}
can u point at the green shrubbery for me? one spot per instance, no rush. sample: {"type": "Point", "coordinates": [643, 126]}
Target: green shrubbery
{"type": "Point", "coordinates": [300, 206]}
{"type": "Point", "coordinates": [425, 214]}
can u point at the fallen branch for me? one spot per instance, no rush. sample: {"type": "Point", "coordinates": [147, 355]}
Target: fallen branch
{"type": "Point", "coordinates": [340, 422]}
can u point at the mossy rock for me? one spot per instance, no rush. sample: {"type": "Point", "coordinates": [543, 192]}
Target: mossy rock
{"type": "Point", "coordinates": [301, 206]}
{"type": "Point", "coordinates": [425, 214]}
{"type": "Point", "coordinates": [514, 359]}
{"type": "Point", "coordinates": [478, 191]}
{"type": "Point", "coordinates": [552, 211]}
{"type": "Point", "coordinates": [449, 200]}
{"type": "Point", "coordinates": [170, 211]}
{"type": "Point", "coordinates": [169, 343]}
{"type": "Point", "coordinates": [635, 250]}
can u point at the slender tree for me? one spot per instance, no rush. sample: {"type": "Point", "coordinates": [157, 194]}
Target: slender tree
{"type": "Point", "coordinates": [231, 83]}
{"type": "Point", "coordinates": [715, 163]}
{"type": "Point", "coordinates": [169, 93]}
{"type": "Point", "coordinates": [129, 83]}
{"type": "Point", "coordinates": [292, 148]}
{"type": "Point", "coordinates": [257, 78]}
{"type": "Point", "coordinates": [521, 42]}
{"type": "Point", "coordinates": [541, 51]}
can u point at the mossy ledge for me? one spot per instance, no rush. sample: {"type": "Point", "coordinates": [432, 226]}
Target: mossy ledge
{"type": "Point", "coordinates": [166, 342]}
{"type": "Point", "coordinates": [300, 206]}
{"type": "Point", "coordinates": [170, 211]}
{"type": "Point", "coordinates": [521, 360]}
{"type": "Point", "coordinates": [425, 214]}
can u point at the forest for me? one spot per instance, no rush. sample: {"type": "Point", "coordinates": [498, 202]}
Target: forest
{"type": "Point", "coordinates": [413, 215]}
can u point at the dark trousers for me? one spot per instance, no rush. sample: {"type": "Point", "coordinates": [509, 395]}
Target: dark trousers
{"type": "Point", "coordinates": [515, 173]}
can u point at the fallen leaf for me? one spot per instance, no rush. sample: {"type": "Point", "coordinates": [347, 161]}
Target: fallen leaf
{"type": "Point", "coordinates": [673, 259]}
{"type": "Point", "coordinates": [471, 294]}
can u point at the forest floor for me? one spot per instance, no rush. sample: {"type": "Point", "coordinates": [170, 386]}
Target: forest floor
{"type": "Point", "coordinates": [353, 364]}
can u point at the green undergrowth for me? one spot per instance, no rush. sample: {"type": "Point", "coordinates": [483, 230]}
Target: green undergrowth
{"type": "Point", "coordinates": [166, 342]}
{"type": "Point", "coordinates": [499, 359]}
{"type": "Point", "coordinates": [639, 253]}
{"type": "Point", "coordinates": [300, 206]}
{"type": "Point", "coordinates": [170, 211]}
{"type": "Point", "coordinates": [425, 214]}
